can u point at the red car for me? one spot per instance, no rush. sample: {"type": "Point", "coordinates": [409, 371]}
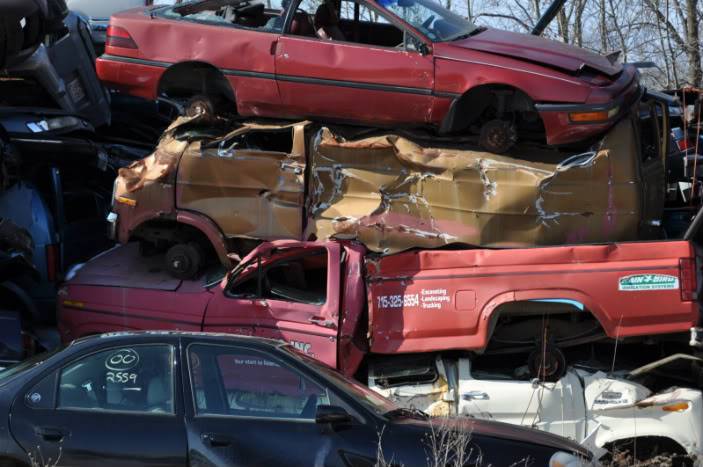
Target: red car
{"type": "Point", "coordinates": [379, 62]}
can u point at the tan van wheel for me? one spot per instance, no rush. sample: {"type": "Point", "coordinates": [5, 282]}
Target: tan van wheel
{"type": "Point", "coordinates": [184, 260]}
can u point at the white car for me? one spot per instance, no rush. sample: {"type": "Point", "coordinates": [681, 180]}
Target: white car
{"type": "Point", "coordinates": [597, 410]}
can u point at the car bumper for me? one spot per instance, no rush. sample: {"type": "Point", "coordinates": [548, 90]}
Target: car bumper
{"type": "Point", "coordinates": [129, 75]}
{"type": "Point", "coordinates": [559, 123]}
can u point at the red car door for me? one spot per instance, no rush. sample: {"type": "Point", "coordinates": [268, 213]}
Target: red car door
{"type": "Point", "coordinates": [284, 290]}
{"type": "Point", "coordinates": [354, 79]}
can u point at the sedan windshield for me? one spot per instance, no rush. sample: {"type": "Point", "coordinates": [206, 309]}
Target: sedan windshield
{"type": "Point", "coordinates": [6, 374]}
{"type": "Point", "coordinates": [430, 18]}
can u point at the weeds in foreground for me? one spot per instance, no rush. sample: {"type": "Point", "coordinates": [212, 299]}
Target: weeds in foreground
{"type": "Point", "coordinates": [36, 457]}
{"type": "Point", "coordinates": [447, 445]}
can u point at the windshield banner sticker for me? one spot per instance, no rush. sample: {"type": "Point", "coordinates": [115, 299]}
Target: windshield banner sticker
{"type": "Point", "coordinates": [640, 282]}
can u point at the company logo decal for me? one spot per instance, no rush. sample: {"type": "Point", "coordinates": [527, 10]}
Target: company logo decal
{"type": "Point", "coordinates": [640, 282]}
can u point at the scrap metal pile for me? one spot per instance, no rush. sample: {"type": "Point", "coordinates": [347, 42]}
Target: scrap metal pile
{"type": "Point", "coordinates": [529, 255]}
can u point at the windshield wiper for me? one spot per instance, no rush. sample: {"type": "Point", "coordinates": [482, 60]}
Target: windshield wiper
{"type": "Point", "coordinates": [468, 34]}
{"type": "Point", "coordinates": [402, 412]}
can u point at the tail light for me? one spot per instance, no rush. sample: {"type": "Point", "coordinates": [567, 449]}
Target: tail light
{"type": "Point", "coordinates": [52, 262]}
{"type": "Point", "coordinates": [687, 273]}
{"type": "Point", "coordinates": [683, 145]}
{"type": "Point", "coordinates": [119, 37]}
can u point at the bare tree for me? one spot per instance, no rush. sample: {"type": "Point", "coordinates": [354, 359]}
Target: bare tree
{"type": "Point", "coordinates": [666, 32]}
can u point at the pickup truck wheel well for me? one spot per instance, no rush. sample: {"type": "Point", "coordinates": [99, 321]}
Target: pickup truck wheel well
{"type": "Point", "coordinates": [648, 447]}
{"type": "Point", "coordinates": [186, 80]}
{"type": "Point", "coordinates": [482, 102]}
{"type": "Point", "coordinates": [520, 323]}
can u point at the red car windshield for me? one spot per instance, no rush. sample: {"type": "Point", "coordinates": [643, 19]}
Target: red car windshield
{"type": "Point", "coordinates": [430, 18]}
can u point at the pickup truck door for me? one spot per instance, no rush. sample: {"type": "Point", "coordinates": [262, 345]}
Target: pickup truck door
{"type": "Point", "coordinates": [288, 292]}
{"type": "Point", "coordinates": [558, 407]}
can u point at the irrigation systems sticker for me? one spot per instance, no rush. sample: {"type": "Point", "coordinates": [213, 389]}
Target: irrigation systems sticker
{"type": "Point", "coordinates": [648, 282]}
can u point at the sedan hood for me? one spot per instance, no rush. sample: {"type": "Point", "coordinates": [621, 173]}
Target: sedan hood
{"type": "Point", "coordinates": [495, 429]}
{"type": "Point", "coordinates": [537, 50]}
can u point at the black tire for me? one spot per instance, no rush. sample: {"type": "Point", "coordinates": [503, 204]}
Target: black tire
{"type": "Point", "coordinates": [498, 136]}
{"type": "Point", "coordinates": [184, 260]}
{"type": "Point", "coordinates": [548, 364]}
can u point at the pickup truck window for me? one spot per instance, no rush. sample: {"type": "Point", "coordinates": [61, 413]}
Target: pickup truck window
{"type": "Point", "coordinates": [298, 279]}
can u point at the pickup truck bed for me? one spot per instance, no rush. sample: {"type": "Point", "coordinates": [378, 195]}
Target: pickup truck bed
{"type": "Point", "coordinates": [428, 300]}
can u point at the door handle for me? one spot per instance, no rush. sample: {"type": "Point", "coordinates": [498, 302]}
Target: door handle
{"type": "Point", "coordinates": [261, 303]}
{"type": "Point", "coordinates": [475, 396]}
{"type": "Point", "coordinates": [50, 434]}
{"type": "Point", "coordinates": [322, 321]}
{"type": "Point", "coordinates": [216, 440]}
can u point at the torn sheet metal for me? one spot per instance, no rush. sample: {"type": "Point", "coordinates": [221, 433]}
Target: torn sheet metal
{"type": "Point", "coordinates": [392, 194]}
{"type": "Point", "coordinates": [250, 181]}
{"type": "Point", "coordinates": [249, 186]}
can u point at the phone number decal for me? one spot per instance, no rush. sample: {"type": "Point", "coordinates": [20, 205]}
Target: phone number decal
{"type": "Point", "coordinates": [427, 299]}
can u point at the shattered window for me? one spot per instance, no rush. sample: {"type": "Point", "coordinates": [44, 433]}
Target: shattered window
{"type": "Point", "coordinates": [244, 382]}
{"type": "Point", "coordinates": [299, 279]}
{"type": "Point", "coordinates": [244, 13]}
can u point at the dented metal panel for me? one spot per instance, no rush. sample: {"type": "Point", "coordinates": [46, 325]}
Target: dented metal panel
{"type": "Point", "coordinates": [248, 192]}
{"type": "Point", "coordinates": [392, 194]}
{"type": "Point", "coordinates": [246, 189]}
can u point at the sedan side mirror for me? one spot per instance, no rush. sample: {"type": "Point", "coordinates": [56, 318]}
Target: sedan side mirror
{"type": "Point", "coordinates": [333, 415]}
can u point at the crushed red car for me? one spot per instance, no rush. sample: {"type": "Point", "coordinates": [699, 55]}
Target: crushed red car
{"type": "Point", "coordinates": [385, 62]}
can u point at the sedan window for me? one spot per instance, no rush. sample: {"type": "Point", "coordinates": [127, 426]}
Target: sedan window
{"type": "Point", "coordinates": [242, 382]}
{"type": "Point", "coordinates": [353, 22]}
{"type": "Point", "coordinates": [372, 400]}
{"type": "Point", "coordinates": [131, 379]}
{"type": "Point", "coordinates": [430, 18]}
{"type": "Point", "coordinates": [243, 13]}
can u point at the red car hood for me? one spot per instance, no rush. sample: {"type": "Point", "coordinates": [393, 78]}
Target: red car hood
{"type": "Point", "coordinates": [535, 49]}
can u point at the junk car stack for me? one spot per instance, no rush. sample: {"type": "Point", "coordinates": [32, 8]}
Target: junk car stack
{"type": "Point", "coordinates": [369, 228]}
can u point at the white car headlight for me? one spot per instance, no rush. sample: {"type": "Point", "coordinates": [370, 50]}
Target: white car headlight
{"type": "Point", "coordinates": [564, 459]}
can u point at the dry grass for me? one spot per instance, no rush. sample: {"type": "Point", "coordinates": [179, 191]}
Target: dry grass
{"type": "Point", "coordinates": [36, 457]}
{"type": "Point", "coordinates": [447, 445]}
